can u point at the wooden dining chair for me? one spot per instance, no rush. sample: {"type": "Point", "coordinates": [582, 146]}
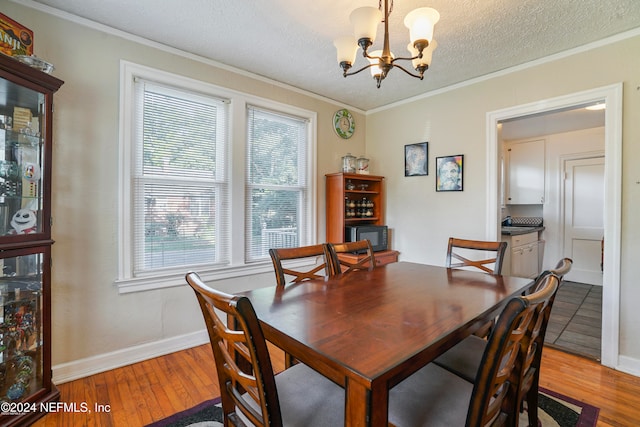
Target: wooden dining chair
{"type": "Point", "coordinates": [250, 392]}
{"type": "Point", "coordinates": [459, 247]}
{"type": "Point", "coordinates": [281, 258]}
{"type": "Point", "coordinates": [339, 264]}
{"type": "Point", "coordinates": [434, 396]}
{"type": "Point", "coordinates": [459, 254]}
{"type": "Point", "coordinates": [313, 253]}
{"type": "Point", "coordinates": [465, 358]}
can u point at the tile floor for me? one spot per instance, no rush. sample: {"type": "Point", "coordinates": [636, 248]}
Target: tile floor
{"type": "Point", "coordinates": [576, 320]}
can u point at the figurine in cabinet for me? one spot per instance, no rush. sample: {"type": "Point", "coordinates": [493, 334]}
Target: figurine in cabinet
{"type": "Point", "coordinates": [24, 222]}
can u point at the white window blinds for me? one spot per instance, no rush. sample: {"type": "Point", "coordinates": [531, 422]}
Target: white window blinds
{"type": "Point", "coordinates": [277, 182]}
{"type": "Point", "coordinates": [180, 188]}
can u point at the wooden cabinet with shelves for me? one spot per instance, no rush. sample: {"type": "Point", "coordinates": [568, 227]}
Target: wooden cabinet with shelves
{"type": "Point", "coordinates": [26, 106]}
{"type": "Point", "coordinates": [355, 199]}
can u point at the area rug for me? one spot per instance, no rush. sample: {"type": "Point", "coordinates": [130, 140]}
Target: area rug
{"type": "Point", "coordinates": [556, 410]}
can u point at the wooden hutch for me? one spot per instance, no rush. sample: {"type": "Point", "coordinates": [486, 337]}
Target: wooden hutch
{"type": "Point", "coordinates": [355, 199]}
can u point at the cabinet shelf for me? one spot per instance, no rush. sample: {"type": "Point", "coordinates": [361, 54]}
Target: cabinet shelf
{"type": "Point", "coordinates": [368, 220]}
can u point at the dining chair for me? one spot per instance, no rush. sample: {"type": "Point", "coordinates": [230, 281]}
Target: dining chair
{"type": "Point", "coordinates": [459, 253]}
{"type": "Point", "coordinates": [465, 358]}
{"type": "Point", "coordinates": [434, 396]}
{"type": "Point", "coordinates": [279, 257]}
{"type": "Point", "coordinates": [250, 392]}
{"type": "Point", "coordinates": [456, 248]}
{"type": "Point", "coordinates": [339, 264]}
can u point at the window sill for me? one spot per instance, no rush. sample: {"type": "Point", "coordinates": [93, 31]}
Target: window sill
{"type": "Point", "coordinates": [173, 279]}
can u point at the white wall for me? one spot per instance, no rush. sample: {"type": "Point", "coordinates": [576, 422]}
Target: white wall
{"type": "Point", "coordinates": [453, 122]}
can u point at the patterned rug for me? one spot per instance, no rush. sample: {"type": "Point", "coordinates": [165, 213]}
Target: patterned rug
{"type": "Point", "coordinates": [556, 410]}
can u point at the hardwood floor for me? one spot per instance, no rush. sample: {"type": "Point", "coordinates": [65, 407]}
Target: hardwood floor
{"type": "Point", "coordinates": [576, 320]}
{"type": "Point", "coordinates": [148, 391]}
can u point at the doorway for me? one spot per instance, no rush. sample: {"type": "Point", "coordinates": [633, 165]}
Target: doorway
{"type": "Point", "coordinates": [612, 96]}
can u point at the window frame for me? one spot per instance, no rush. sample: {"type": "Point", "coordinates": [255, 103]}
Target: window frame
{"type": "Point", "coordinates": [236, 175]}
{"type": "Point", "coordinates": [305, 235]}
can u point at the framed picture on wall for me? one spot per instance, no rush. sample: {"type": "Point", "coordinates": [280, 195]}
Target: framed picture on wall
{"type": "Point", "coordinates": [416, 160]}
{"type": "Point", "coordinates": [449, 169]}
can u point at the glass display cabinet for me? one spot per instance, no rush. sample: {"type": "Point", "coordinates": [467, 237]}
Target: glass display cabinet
{"type": "Point", "coordinates": [26, 106]}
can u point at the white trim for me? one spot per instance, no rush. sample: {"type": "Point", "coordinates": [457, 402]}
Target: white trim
{"type": "Point", "coordinates": [612, 95]}
{"type": "Point", "coordinates": [629, 365]}
{"type": "Point", "coordinates": [82, 368]}
{"type": "Point", "coordinates": [126, 282]}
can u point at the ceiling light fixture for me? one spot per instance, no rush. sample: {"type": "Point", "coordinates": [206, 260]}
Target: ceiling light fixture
{"type": "Point", "coordinates": [365, 22]}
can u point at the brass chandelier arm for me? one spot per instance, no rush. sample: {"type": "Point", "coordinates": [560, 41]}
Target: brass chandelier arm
{"type": "Point", "coordinates": [419, 76]}
{"type": "Point", "coordinates": [346, 74]}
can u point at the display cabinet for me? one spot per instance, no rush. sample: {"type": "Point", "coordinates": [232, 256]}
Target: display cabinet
{"type": "Point", "coordinates": [26, 107]}
{"type": "Point", "coordinates": [355, 199]}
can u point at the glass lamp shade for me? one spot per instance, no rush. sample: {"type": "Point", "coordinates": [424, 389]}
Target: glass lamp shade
{"type": "Point", "coordinates": [346, 48]}
{"type": "Point", "coordinates": [427, 54]}
{"type": "Point", "coordinates": [375, 61]}
{"type": "Point", "coordinates": [365, 22]}
{"type": "Point", "coordinates": [420, 23]}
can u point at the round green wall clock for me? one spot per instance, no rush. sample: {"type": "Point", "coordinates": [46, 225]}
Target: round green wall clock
{"type": "Point", "coordinates": [343, 123]}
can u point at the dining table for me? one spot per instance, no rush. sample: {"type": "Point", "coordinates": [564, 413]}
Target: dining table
{"type": "Point", "coordinates": [368, 330]}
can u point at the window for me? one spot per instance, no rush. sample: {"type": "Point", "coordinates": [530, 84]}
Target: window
{"type": "Point", "coordinates": [180, 190]}
{"type": "Point", "coordinates": [183, 207]}
{"type": "Point", "coordinates": [276, 182]}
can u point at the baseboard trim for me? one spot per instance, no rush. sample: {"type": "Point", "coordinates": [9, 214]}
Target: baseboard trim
{"type": "Point", "coordinates": [81, 368]}
{"type": "Point", "coordinates": [629, 365]}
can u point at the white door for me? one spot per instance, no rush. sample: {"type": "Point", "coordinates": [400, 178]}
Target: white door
{"type": "Point", "coordinates": [584, 218]}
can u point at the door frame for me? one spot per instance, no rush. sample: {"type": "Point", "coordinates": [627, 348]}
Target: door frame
{"type": "Point", "coordinates": [612, 96]}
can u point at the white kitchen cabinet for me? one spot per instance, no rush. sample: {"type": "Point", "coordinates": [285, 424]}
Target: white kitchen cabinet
{"type": "Point", "coordinates": [524, 261]}
{"type": "Point", "coordinates": [524, 255]}
{"type": "Point", "coordinates": [525, 173]}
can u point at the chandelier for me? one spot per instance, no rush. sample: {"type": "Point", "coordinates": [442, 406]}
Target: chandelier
{"type": "Point", "coordinates": [365, 22]}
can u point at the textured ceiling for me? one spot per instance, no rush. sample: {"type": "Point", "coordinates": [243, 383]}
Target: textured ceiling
{"type": "Point", "coordinates": [291, 41]}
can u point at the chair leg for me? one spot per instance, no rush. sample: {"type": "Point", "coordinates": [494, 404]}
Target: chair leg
{"type": "Point", "coordinates": [532, 405]}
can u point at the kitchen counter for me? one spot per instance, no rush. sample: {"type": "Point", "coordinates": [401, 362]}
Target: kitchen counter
{"type": "Point", "coordinates": [517, 230]}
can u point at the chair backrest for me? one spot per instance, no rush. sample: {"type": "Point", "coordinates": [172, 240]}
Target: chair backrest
{"type": "Point", "coordinates": [532, 357]}
{"type": "Point", "coordinates": [457, 247]}
{"type": "Point", "coordinates": [241, 357]}
{"type": "Point", "coordinates": [339, 265]}
{"type": "Point", "coordinates": [496, 391]}
{"type": "Point", "coordinates": [284, 254]}
{"type": "Point", "coordinates": [562, 268]}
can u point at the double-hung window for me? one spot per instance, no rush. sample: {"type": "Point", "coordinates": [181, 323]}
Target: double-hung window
{"type": "Point", "coordinates": [277, 190]}
{"type": "Point", "coordinates": [188, 201]}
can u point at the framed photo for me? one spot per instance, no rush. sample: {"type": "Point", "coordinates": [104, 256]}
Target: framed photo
{"type": "Point", "coordinates": [449, 169]}
{"type": "Point", "coordinates": [416, 159]}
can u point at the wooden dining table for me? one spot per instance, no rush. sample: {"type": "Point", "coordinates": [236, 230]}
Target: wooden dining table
{"type": "Point", "coordinates": [369, 330]}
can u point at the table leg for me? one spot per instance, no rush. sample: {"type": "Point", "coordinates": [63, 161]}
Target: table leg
{"type": "Point", "coordinates": [357, 408]}
{"type": "Point", "coordinates": [364, 406]}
